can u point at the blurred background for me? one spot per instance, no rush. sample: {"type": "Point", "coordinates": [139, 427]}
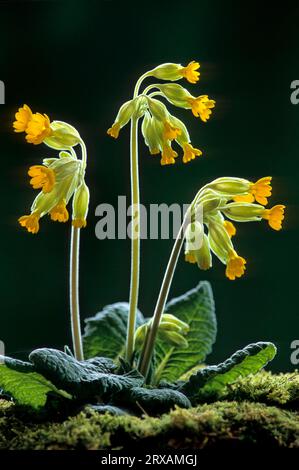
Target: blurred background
{"type": "Point", "coordinates": [78, 62]}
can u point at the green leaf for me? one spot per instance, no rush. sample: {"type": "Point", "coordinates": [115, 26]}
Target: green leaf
{"type": "Point", "coordinates": [25, 386]}
{"type": "Point", "coordinates": [83, 379]}
{"type": "Point", "coordinates": [113, 410]}
{"type": "Point", "coordinates": [196, 308]}
{"type": "Point", "coordinates": [105, 333]}
{"type": "Point", "coordinates": [213, 379]}
{"type": "Point", "coordinates": [154, 401]}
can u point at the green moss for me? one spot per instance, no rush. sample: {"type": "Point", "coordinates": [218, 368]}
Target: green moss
{"type": "Point", "coordinates": [239, 418]}
{"type": "Point", "coordinates": [280, 389]}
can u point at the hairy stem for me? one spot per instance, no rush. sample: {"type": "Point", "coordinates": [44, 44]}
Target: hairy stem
{"type": "Point", "coordinates": [135, 240]}
{"type": "Point", "coordinates": [74, 294]}
{"type": "Point", "coordinates": [149, 344]}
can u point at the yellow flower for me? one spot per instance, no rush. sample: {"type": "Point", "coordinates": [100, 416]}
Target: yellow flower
{"type": "Point", "coordinates": [114, 130]}
{"type": "Point", "coordinates": [230, 228]}
{"type": "Point", "coordinates": [201, 106]}
{"type": "Point", "coordinates": [79, 223]}
{"type": "Point", "coordinates": [80, 206]}
{"type": "Point", "coordinates": [63, 174]}
{"type": "Point", "coordinates": [190, 152]}
{"type": "Point", "coordinates": [235, 266]}
{"type": "Point", "coordinates": [190, 72]}
{"type": "Point", "coordinates": [275, 216]}
{"type": "Point", "coordinates": [42, 177]}
{"type": "Point", "coordinates": [31, 222]}
{"type": "Point", "coordinates": [170, 132]}
{"type": "Point", "coordinates": [190, 258]}
{"type": "Point", "coordinates": [258, 191]}
{"type": "Point", "coordinates": [168, 155]}
{"type": "Point", "coordinates": [38, 129]}
{"type": "Point", "coordinates": [23, 117]}
{"type": "Point", "coordinates": [59, 213]}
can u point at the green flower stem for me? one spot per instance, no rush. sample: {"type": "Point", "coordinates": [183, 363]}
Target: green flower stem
{"type": "Point", "coordinates": [74, 294]}
{"type": "Point", "coordinates": [135, 241]}
{"type": "Point", "coordinates": [148, 348]}
{"type": "Point", "coordinates": [135, 232]}
{"type": "Point", "coordinates": [138, 83]}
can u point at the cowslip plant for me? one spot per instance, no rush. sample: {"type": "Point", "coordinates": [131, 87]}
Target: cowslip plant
{"type": "Point", "coordinates": [59, 180]}
{"type": "Point", "coordinates": [134, 364]}
{"type": "Point", "coordinates": [159, 128]}
{"type": "Point", "coordinates": [223, 197]}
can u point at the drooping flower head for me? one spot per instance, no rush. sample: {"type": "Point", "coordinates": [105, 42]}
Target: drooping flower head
{"type": "Point", "coordinates": [58, 179]}
{"type": "Point", "coordinates": [222, 201]}
{"type": "Point", "coordinates": [160, 128]}
{"type": "Point", "coordinates": [39, 129]}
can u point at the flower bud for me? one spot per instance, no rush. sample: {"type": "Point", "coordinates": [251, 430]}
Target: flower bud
{"type": "Point", "coordinates": [179, 325]}
{"type": "Point", "coordinates": [175, 94]}
{"type": "Point", "coordinates": [158, 109]}
{"type": "Point", "coordinates": [243, 212]}
{"type": "Point", "coordinates": [209, 200]}
{"type": "Point", "coordinates": [183, 137]}
{"type": "Point", "coordinates": [140, 334]}
{"type": "Point", "coordinates": [80, 205]}
{"type": "Point", "coordinates": [152, 131]}
{"type": "Point", "coordinates": [124, 115]}
{"type": "Point", "coordinates": [63, 136]}
{"type": "Point", "coordinates": [219, 240]}
{"type": "Point", "coordinates": [194, 236]}
{"type": "Point", "coordinates": [229, 186]}
{"type": "Point", "coordinates": [167, 71]}
{"type": "Point", "coordinates": [203, 255]}
{"type": "Point", "coordinates": [174, 338]}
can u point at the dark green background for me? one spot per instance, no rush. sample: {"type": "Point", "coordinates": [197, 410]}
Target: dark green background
{"type": "Point", "coordinates": [78, 62]}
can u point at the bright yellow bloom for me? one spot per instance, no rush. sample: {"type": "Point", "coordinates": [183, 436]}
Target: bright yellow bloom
{"type": "Point", "coordinates": [258, 191]}
{"type": "Point", "coordinates": [230, 228]}
{"type": "Point", "coordinates": [170, 132]}
{"type": "Point", "coordinates": [190, 152]}
{"type": "Point", "coordinates": [275, 216]}
{"type": "Point", "coordinates": [23, 117]}
{"type": "Point", "coordinates": [154, 151]}
{"type": "Point", "coordinates": [80, 206]}
{"type": "Point", "coordinates": [38, 129]}
{"type": "Point", "coordinates": [30, 222]}
{"type": "Point", "coordinates": [42, 177]}
{"type": "Point", "coordinates": [190, 72]}
{"type": "Point", "coordinates": [201, 106]}
{"type": "Point", "coordinates": [79, 223]}
{"type": "Point", "coordinates": [59, 213]}
{"type": "Point", "coordinates": [235, 266]}
{"type": "Point", "coordinates": [190, 258]}
{"type": "Point", "coordinates": [114, 130]}
{"type": "Point", "coordinates": [168, 155]}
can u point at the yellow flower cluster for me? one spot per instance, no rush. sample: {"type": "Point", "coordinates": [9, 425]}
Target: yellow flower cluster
{"type": "Point", "coordinates": [159, 128]}
{"type": "Point", "coordinates": [36, 126]}
{"type": "Point", "coordinates": [59, 179]}
{"type": "Point", "coordinates": [227, 197]}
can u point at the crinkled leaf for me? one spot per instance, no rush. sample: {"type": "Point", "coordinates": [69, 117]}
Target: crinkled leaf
{"type": "Point", "coordinates": [196, 308]}
{"type": "Point", "coordinates": [26, 386]}
{"type": "Point", "coordinates": [83, 379]}
{"type": "Point", "coordinates": [114, 410]}
{"type": "Point", "coordinates": [105, 333]}
{"type": "Point", "coordinates": [213, 379]}
{"type": "Point", "coordinates": [154, 401]}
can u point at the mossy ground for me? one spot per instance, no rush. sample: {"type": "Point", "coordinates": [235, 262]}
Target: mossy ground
{"type": "Point", "coordinates": [263, 409]}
